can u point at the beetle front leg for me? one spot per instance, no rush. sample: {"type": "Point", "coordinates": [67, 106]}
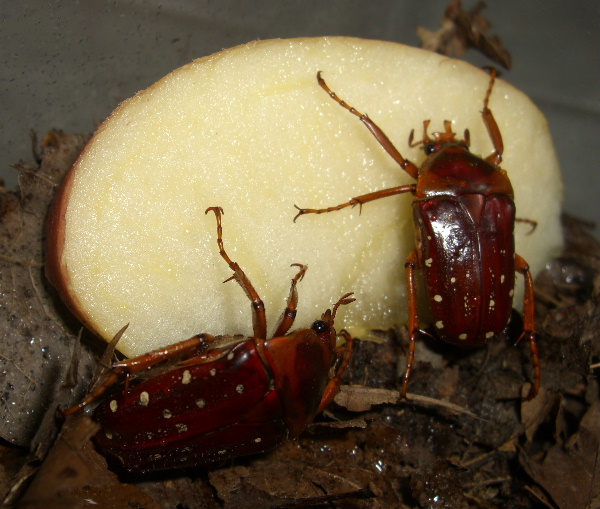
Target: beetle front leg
{"type": "Point", "coordinates": [375, 130]}
{"type": "Point", "coordinates": [289, 314]}
{"type": "Point", "coordinates": [259, 319]}
{"type": "Point", "coordinates": [333, 386]}
{"type": "Point", "coordinates": [360, 200]}
{"type": "Point", "coordinates": [412, 263]}
{"type": "Point", "coordinates": [522, 267]}
{"type": "Point", "coordinates": [492, 127]}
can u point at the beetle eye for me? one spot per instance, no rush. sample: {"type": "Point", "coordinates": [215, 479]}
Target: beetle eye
{"type": "Point", "coordinates": [320, 326]}
{"type": "Point", "coordinates": [429, 148]}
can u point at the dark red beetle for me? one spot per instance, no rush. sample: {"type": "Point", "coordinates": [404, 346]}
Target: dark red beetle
{"type": "Point", "coordinates": [211, 398]}
{"type": "Point", "coordinates": [464, 214]}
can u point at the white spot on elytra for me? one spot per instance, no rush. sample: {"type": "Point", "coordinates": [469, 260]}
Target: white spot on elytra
{"type": "Point", "coordinates": [489, 335]}
{"type": "Point", "coordinates": [462, 336]}
{"type": "Point", "coordinates": [492, 303]}
{"type": "Point", "coordinates": [453, 280]}
{"type": "Point", "coordinates": [213, 372]}
{"type": "Point", "coordinates": [428, 262]}
{"type": "Point", "coordinates": [439, 324]}
{"type": "Point", "coordinates": [167, 413]}
{"type": "Point", "coordinates": [187, 377]}
{"type": "Point", "coordinates": [437, 298]}
{"type": "Point", "coordinates": [502, 278]}
{"type": "Point", "coordinates": [230, 356]}
{"type": "Point", "coordinates": [258, 440]}
{"type": "Point", "coordinates": [511, 293]}
{"type": "Point", "coordinates": [144, 398]}
{"type": "Point", "coordinates": [240, 389]}
{"type": "Point", "coordinates": [223, 451]}
{"type": "Point", "coordinates": [108, 435]}
{"type": "Point", "coordinates": [181, 428]}
{"type": "Point", "coordinates": [114, 405]}
{"type": "Point", "coordinates": [200, 402]}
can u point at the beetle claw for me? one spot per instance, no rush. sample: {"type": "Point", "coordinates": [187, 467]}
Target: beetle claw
{"type": "Point", "coordinates": [301, 212]}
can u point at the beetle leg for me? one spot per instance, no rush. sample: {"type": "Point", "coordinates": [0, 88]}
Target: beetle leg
{"type": "Point", "coordinates": [286, 320]}
{"type": "Point", "coordinates": [360, 200]}
{"type": "Point", "coordinates": [333, 386]}
{"type": "Point", "coordinates": [530, 222]}
{"type": "Point", "coordinates": [412, 263]}
{"type": "Point", "coordinates": [492, 127]}
{"type": "Point", "coordinates": [522, 267]}
{"type": "Point", "coordinates": [137, 364]}
{"type": "Point", "coordinates": [259, 319]}
{"type": "Point", "coordinates": [376, 131]}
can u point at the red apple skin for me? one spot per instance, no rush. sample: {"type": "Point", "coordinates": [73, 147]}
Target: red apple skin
{"type": "Point", "coordinates": [56, 270]}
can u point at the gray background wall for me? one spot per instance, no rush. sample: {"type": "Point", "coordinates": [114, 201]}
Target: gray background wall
{"type": "Point", "coordinates": [67, 64]}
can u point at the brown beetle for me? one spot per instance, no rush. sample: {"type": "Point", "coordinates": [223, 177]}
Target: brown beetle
{"type": "Point", "coordinates": [211, 398]}
{"type": "Point", "coordinates": [464, 214]}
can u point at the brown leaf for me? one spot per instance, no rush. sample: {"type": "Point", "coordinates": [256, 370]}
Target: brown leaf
{"type": "Point", "coordinates": [535, 412]}
{"type": "Point", "coordinates": [462, 30]}
{"type": "Point", "coordinates": [241, 488]}
{"type": "Point", "coordinates": [569, 472]}
{"type": "Point", "coordinates": [74, 475]}
{"type": "Point", "coordinates": [361, 399]}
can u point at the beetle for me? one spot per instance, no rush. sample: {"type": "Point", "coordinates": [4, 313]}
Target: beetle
{"type": "Point", "coordinates": [464, 215]}
{"type": "Point", "coordinates": [211, 398]}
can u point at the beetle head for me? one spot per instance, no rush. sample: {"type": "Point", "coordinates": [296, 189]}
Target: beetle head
{"type": "Point", "coordinates": [440, 140]}
{"type": "Point", "coordinates": [324, 326]}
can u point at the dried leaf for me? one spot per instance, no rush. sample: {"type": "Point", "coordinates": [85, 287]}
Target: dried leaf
{"type": "Point", "coordinates": [567, 471]}
{"type": "Point", "coordinates": [535, 412]}
{"type": "Point", "coordinates": [240, 488]}
{"type": "Point", "coordinates": [75, 474]}
{"type": "Point", "coordinates": [361, 399]}
{"type": "Point", "coordinates": [462, 30]}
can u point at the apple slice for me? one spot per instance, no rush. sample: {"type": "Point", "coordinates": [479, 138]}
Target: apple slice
{"type": "Point", "coordinates": [249, 129]}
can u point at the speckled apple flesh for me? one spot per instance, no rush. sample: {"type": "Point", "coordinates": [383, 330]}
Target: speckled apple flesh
{"type": "Point", "coordinates": [250, 130]}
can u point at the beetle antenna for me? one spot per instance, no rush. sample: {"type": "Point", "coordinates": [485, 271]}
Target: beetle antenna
{"type": "Point", "coordinates": [447, 136]}
{"type": "Point", "coordinates": [426, 138]}
{"type": "Point", "coordinates": [342, 302]}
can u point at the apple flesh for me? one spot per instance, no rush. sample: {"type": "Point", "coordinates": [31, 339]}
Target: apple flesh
{"type": "Point", "coordinates": [250, 130]}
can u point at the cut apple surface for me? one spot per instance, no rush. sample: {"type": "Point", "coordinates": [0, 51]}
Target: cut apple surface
{"type": "Point", "coordinates": [250, 130]}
